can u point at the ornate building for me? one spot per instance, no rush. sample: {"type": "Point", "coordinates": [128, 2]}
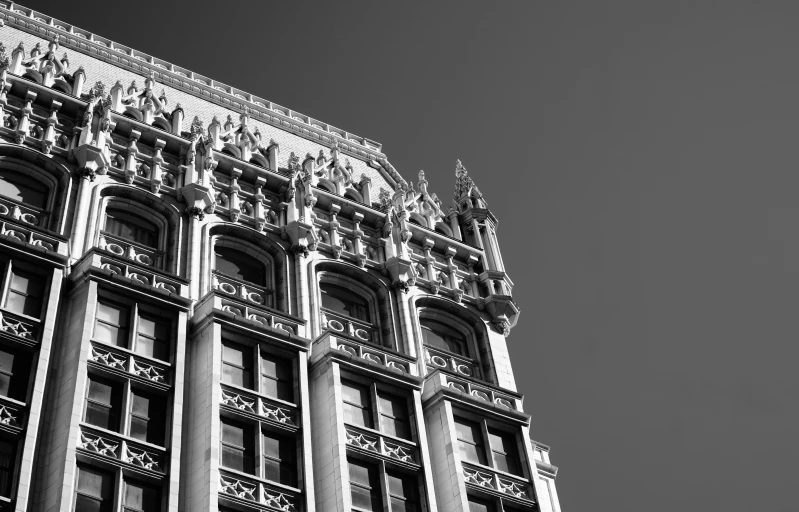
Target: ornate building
{"type": "Point", "coordinates": [212, 302]}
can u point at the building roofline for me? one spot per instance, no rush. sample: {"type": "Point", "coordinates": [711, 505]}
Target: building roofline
{"type": "Point", "coordinates": [186, 80]}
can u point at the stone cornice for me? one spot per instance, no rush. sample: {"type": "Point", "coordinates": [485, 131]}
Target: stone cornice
{"type": "Point", "coordinates": [75, 38]}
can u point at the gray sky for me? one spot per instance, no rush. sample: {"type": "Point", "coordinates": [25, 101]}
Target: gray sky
{"type": "Point", "coordinates": [641, 158]}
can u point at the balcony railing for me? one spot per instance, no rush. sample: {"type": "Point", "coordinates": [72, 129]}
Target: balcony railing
{"type": "Point", "coordinates": [346, 326]}
{"type": "Point", "coordinates": [439, 359]}
{"type": "Point", "coordinates": [121, 449]}
{"type": "Point", "coordinates": [111, 357]}
{"type": "Point", "coordinates": [30, 236]}
{"type": "Point", "coordinates": [242, 290]}
{"type": "Point", "coordinates": [138, 274]}
{"type": "Point", "coordinates": [19, 325]}
{"type": "Point", "coordinates": [268, 318]}
{"type": "Point", "coordinates": [131, 251]}
{"type": "Point", "coordinates": [261, 406]}
{"type": "Point", "coordinates": [481, 392]}
{"type": "Point", "coordinates": [502, 483]}
{"type": "Point", "coordinates": [11, 413]}
{"type": "Point", "coordinates": [375, 355]}
{"type": "Point", "coordinates": [23, 213]}
{"type": "Point", "coordinates": [388, 446]}
{"type": "Point", "coordinates": [252, 489]}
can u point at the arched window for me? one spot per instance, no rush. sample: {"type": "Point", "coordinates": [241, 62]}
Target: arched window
{"type": "Point", "coordinates": [240, 266]}
{"type": "Point", "coordinates": [443, 337]}
{"type": "Point", "coordinates": [23, 189]}
{"type": "Point", "coordinates": [342, 301]}
{"type": "Point", "coordinates": [133, 228]}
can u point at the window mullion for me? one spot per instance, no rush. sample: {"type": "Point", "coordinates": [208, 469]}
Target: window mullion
{"type": "Point", "coordinates": [260, 471]}
{"type": "Point", "coordinates": [133, 335]}
{"type": "Point", "coordinates": [125, 409]}
{"type": "Point", "coordinates": [7, 282]}
{"type": "Point", "coordinates": [374, 407]}
{"type": "Point", "coordinates": [384, 491]}
{"type": "Point", "coordinates": [258, 371]}
{"type": "Point", "coordinates": [119, 490]}
{"type": "Point", "coordinates": [487, 444]}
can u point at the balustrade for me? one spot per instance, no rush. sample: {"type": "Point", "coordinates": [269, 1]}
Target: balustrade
{"type": "Point", "coordinates": [375, 442]}
{"type": "Point", "coordinates": [11, 414]}
{"type": "Point", "coordinates": [121, 449]}
{"type": "Point", "coordinates": [461, 365]}
{"type": "Point", "coordinates": [346, 326]}
{"type": "Point", "coordinates": [139, 274]}
{"type": "Point", "coordinates": [258, 405]}
{"type": "Point", "coordinates": [484, 393]}
{"type": "Point", "coordinates": [30, 236]}
{"type": "Point", "coordinates": [247, 292]}
{"type": "Point", "coordinates": [375, 355]}
{"type": "Point", "coordinates": [267, 318]}
{"type": "Point", "coordinates": [132, 251]}
{"type": "Point", "coordinates": [19, 326]}
{"type": "Point", "coordinates": [23, 213]}
{"type": "Point", "coordinates": [503, 483]}
{"type": "Point", "coordinates": [252, 489]}
{"type": "Point", "coordinates": [139, 366]}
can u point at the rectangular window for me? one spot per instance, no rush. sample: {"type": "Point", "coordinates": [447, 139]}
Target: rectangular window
{"type": "Point", "coordinates": [236, 365]}
{"type": "Point", "coordinates": [403, 492]}
{"type": "Point", "coordinates": [140, 497]}
{"type": "Point", "coordinates": [147, 413]}
{"type": "Point", "coordinates": [111, 325]}
{"type": "Point", "coordinates": [470, 441]}
{"type": "Point", "coordinates": [503, 446]}
{"type": "Point", "coordinates": [237, 447]}
{"type": "Point", "coordinates": [280, 459]}
{"type": "Point", "coordinates": [365, 487]}
{"type": "Point", "coordinates": [102, 404]}
{"type": "Point", "coordinates": [95, 491]}
{"type": "Point", "coordinates": [15, 370]}
{"type": "Point", "coordinates": [153, 337]}
{"type": "Point", "coordinates": [394, 415]}
{"type": "Point", "coordinates": [277, 379]}
{"type": "Point", "coordinates": [7, 460]}
{"type": "Point", "coordinates": [478, 505]}
{"type": "Point", "coordinates": [25, 294]}
{"type": "Point", "coordinates": [357, 406]}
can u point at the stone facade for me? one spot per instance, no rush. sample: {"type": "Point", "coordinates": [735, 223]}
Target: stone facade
{"type": "Point", "coordinates": [212, 302]}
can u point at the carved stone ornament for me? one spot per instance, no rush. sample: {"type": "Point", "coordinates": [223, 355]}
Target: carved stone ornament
{"type": "Point", "coordinates": [87, 173]}
{"type": "Point", "coordinates": [502, 326]}
{"type": "Point", "coordinates": [402, 286]}
{"type": "Point", "coordinates": [195, 211]}
{"type": "Point", "coordinates": [300, 249]}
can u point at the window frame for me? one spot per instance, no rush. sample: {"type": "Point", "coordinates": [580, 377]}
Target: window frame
{"type": "Point", "coordinates": [485, 427]}
{"type": "Point", "coordinates": [135, 310]}
{"type": "Point", "coordinates": [32, 176]}
{"type": "Point", "coordinates": [377, 390]}
{"type": "Point", "coordinates": [382, 470]}
{"type": "Point", "coordinates": [273, 286]}
{"type": "Point", "coordinates": [11, 470]}
{"type": "Point", "coordinates": [374, 305]}
{"type": "Point", "coordinates": [118, 483]}
{"type": "Point", "coordinates": [20, 375]}
{"type": "Point", "coordinates": [14, 267]}
{"type": "Point", "coordinates": [256, 353]}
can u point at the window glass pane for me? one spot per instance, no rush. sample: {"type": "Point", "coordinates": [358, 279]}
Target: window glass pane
{"type": "Point", "coordinates": [470, 442]}
{"type": "Point", "coordinates": [5, 384]}
{"type": "Point", "coordinates": [7, 456]}
{"type": "Point", "coordinates": [403, 492]}
{"type": "Point", "coordinates": [345, 302]}
{"type": "Point", "coordinates": [112, 324]}
{"type": "Point", "coordinates": [25, 295]}
{"type": "Point", "coordinates": [444, 337]}
{"type": "Point", "coordinates": [95, 483]}
{"type": "Point", "coordinates": [356, 405]}
{"type": "Point", "coordinates": [236, 365]}
{"type": "Point", "coordinates": [365, 487]}
{"type": "Point", "coordinates": [478, 505]}
{"type": "Point", "coordinates": [101, 403]}
{"type": "Point", "coordinates": [394, 416]}
{"type": "Point", "coordinates": [239, 265]}
{"type": "Point", "coordinates": [112, 313]}
{"type": "Point", "coordinates": [237, 447]}
{"type": "Point", "coordinates": [153, 338]}
{"type": "Point", "coordinates": [131, 227]}
{"type": "Point", "coordinates": [100, 392]}
{"type": "Point", "coordinates": [279, 459]}
{"type": "Point", "coordinates": [355, 394]}
{"type": "Point", "coordinates": [140, 497]}
{"type": "Point", "coordinates": [277, 378]}
{"type": "Point", "coordinates": [6, 371]}
{"type": "Point", "coordinates": [505, 451]}
{"type": "Point", "coordinates": [147, 418]}
{"type": "Point", "coordinates": [23, 189]}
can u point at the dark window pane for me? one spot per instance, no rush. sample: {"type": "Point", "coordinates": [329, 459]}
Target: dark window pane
{"type": "Point", "coordinates": [147, 415]}
{"type": "Point", "coordinates": [102, 403]}
{"type": "Point", "coordinates": [478, 505]}
{"type": "Point", "coordinates": [140, 497]}
{"type": "Point", "coordinates": [5, 383]}
{"type": "Point", "coordinates": [153, 337]}
{"type": "Point", "coordinates": [345, 302]}
{"type": "Point", "coordinates": [23, 189]}
{"type": "Point", "coordinates": [95, 490]}
{"type": "Point", "coordinates": [394, 416]}
{"type": "Point", "coordinates": [356, 405]}
{"type": "Point", "coordinates": [7, 459]}
{"type": "Point", "coordinates": [237, 447]}
{"type": "Point", "coordinates": [25, 295]}
{"type": "Point", "coordinates": [237, 365]}
{"type": "Point", "coordinates": [470, 442]}
{"type": "Point", "coordinates": [131, 227]}
{"type": "Point", "coordinates": [365, 487]}
{"type": "Point", "coordinates": [276, 378]}
{"type": "Point", "coordinates": [239, 265]}
{"type": "Point", "coordinates": [279, 459]}
{"type": "Point", "coordinates": [505, 451]}
{"type": "Point", "coordinates": [100, 392]}
{"type": "Point", "coordinates": [441, 336]}
{"type": "Point", "coordinates": [112, 324]}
